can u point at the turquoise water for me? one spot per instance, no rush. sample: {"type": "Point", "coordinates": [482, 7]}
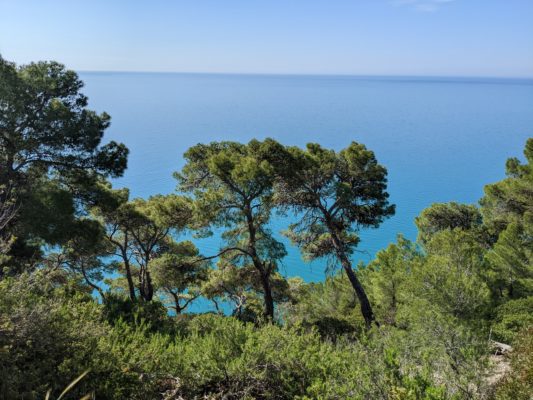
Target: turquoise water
{"type": "Point", "coordinates": [441, 139]}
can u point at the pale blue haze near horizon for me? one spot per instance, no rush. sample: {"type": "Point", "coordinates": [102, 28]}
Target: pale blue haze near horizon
{"type": "Point", "coordinates": [369, 37]}
{"type": "Point", "coordinates": [441, 140]}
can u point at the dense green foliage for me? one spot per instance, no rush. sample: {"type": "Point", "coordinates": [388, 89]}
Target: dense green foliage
{"type": "Point", "coordinates": [334, 195]}
{"type": "Point", "coordinates": [93, 280]}
{"type": "Point", "coordinates": [232, 186]}
{"type": "Point", "coordinates": [51, 158]}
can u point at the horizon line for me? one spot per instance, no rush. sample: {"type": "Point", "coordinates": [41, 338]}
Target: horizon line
{"type": "Point", "coordinates": [309, 74]}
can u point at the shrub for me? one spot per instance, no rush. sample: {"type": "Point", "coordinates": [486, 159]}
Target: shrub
{"type": "Point", "coordinates": [48, 339]}
{"type": "Point", "coordinates": [518, 383]}
{"type": "Point", "coordinates": [512, 317]}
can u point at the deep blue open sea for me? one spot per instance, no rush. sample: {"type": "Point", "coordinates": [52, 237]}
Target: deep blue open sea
{"type": "Point", "coordinates": [441, 139]}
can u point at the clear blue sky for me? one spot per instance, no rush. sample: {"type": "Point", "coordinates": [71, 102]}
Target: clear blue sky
{"type": "Point", "coordinates": [377, 37]}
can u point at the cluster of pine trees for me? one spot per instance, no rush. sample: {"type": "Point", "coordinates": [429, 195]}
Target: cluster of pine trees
{"type": "Point", "coordinates": [91, 280]}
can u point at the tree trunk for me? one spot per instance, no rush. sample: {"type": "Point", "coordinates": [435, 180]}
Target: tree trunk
{"type": "Point", "coordinates": [269, 300]}
{"type": "Point", "coordinates": [366, 308]}
{"type": "Point", "coordinates": [176, 301]}
{"type": "Point", "coordinates": [260, 266]}
{"type": "Point", "coordinates": [91, 284]}
{"type": "Point", "coordinates": [149, 287]}
{"type": "Point", "coordinates": [129, 278]}
{"type": "Point", "coordinates": [124, 253]}
{"type": "Point", "coordinates": [145, 285]}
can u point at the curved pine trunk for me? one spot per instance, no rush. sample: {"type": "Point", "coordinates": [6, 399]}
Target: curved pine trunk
{"type": "Point", "coordinates": [131, 285]}
{"type": "Point", "coordinates": [366, 308]}
{"type": "Point", "coordinates": [146, 288]}
{"type": "Point", "coordinates": [268, 298]}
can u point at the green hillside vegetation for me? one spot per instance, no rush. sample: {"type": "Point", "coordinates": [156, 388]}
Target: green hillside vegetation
{"type": "Point", "coordinates": [93, 280]}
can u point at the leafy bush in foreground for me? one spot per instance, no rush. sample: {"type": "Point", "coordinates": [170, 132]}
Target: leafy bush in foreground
{"type": "Point", "coordinates": [518, 383]}
{"type": "Point", "coordinates": [512, 317]}
{"type": "Point", "coordinates": [221, 357]}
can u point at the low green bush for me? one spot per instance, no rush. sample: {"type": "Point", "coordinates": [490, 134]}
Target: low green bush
{"type": "Point", "coordinates": [512, 317]}
{"type": "Point", "coordinates": [518, 383]}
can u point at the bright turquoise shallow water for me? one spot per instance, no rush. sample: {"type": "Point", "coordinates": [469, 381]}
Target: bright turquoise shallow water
{"type": "Point", "coordinates": [441, 139]}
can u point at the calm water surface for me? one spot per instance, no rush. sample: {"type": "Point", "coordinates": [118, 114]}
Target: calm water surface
{"type": "Point", "coordinates": [440, 139]}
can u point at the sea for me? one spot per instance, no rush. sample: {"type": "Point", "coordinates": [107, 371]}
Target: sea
{"type": "Point", "coordinates": [441, 138]}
